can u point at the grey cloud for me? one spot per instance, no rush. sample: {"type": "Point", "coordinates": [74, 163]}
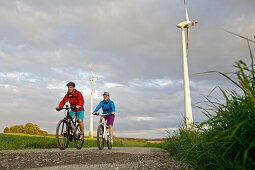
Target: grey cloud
{"type": "Point", "coordinates": [130, 43]}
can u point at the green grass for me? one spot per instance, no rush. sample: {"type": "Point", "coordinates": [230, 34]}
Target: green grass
{"type": "Point", "coordinates": [227, 139]}
{"type": "Point", "coordinates": [19, 141]}
{"type": "Point", "coordinates": [14, 142]}
{"type": "Point", "coordinates": [128, 143]}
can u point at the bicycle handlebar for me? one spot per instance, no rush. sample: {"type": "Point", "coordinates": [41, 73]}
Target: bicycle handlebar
{"type": "Point", "coordinates": [102, 114]}
{"type": "Point", "coordinates": [66, 108]}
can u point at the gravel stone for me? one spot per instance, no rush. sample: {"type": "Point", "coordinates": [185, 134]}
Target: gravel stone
{"type": "Point", "coordinates": [119, 158]}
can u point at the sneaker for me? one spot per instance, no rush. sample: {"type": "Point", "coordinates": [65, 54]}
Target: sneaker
{"type": "Point", "coordinates": [82, 137]}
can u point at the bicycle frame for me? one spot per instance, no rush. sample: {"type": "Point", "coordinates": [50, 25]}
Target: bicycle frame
{"type": "Point", "coordinates": [106, 128]}
{"type": "Point", "coordinates": [106, 133]}
{"type": "Point", "coordinates": [71, 121]}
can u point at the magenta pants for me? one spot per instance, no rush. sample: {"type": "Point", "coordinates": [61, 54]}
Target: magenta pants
{"type": "Point", "coordinates": [110, 119]}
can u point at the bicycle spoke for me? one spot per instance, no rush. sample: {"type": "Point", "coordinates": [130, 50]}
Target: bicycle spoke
{"type": "Point", "coordinates": [100, 139]}
{"type": "Point", "coordinates": [62, 128]}
{"type": "Point", "coordinates": [62, 135]}
{"type": "Point", "coordinates": [78, 143]}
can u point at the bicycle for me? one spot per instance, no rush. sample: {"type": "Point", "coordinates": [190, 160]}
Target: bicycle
{"type": "Point", "coordinates": [67, 130]}
{"type": "Point", "coordinates": [103, 133]}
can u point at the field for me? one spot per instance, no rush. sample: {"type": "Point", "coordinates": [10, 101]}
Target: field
{"type": "Point", "coordinates": [21, 141]}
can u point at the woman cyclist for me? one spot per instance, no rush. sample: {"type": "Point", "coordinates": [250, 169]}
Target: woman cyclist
{"type": "Point", "coordinates": [108, 106]}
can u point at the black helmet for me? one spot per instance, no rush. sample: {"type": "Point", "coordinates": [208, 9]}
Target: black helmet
{"type": "Point", "coordinates": [71, 84]}
{"type": "Point", "coordinates": [106, 93]}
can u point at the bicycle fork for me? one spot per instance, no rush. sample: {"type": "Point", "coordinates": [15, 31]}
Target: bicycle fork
{"type": "Point", "coordinates": [106, 132]}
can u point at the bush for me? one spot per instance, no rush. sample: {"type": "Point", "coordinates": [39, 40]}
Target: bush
{"type": "Point", "coordinates": [6, 130]}
{"type": "Point", "coordinates": [17, 129]}
{"type": "Point", "coordinates": [34, 129]}
{"type": "Point", "coordinates": [29, 128]}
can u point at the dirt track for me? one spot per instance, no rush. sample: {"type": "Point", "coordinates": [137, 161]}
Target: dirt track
{"type": "Point", "coordinates": [88, 158]}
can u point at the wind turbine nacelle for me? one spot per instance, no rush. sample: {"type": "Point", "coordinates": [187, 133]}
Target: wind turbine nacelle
{"type": "Point", "coordinates": [93, 79]}
{"type": "Point", "coordinates": [186, 24]}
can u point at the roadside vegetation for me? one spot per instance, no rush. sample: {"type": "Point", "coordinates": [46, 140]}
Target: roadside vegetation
{"type": "Point", "coordinates": [227, 139]}
{"type": "Point", "coordinates": [14, 141]}
{"type": "Point", "coordinates": [31, 136]}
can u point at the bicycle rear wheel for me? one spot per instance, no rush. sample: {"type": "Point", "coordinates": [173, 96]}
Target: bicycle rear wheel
{"type": "Point", "coordinates": [109, 144]}
{"type": "Point", "coordinates": [77, 142]}
{"type": "Point", "coordinates": [62, 134]}
{"type": "Point", "coordinates": [100, 139]}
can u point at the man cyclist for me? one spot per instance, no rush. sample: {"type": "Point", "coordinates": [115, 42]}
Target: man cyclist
{"type": "Point", "coordinates": [108, 106]}
{"type": "Point", "coordinates": [76, 101]}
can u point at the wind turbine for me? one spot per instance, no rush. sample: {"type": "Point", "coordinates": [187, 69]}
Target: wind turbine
{"type": "Point", "coordinates": [92, 80]}
{"type": "Point", "coordinates": [188, 110]}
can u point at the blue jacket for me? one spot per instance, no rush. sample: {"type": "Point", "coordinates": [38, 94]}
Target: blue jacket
{"type": "Point", "coordinates": [107, 106]}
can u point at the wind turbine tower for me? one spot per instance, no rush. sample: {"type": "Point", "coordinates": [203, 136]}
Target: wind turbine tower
{"type": "Point", "coordinates": [188, 110]}
{"type": "Point", "coordinates": [92, 80]}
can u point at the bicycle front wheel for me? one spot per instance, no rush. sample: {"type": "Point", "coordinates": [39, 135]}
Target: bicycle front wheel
{"type": "Point", "coordinates": [77, 142]}
{"type": "Point", "coordinates": [62, 134]}
{"type": "Point", "coordinates": [109, 144]}
{"type": "Point", "coordinates": [100, 139]}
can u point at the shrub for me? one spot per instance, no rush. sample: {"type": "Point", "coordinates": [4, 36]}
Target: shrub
{"type": "Point", "coordinates": [29, 128]}
{"type": "Point", "coordinates": [6, 130]}
{"type": "Point", "coordinates": [34, 129]}
{"type": "Point", "coordinates": [17, 129]}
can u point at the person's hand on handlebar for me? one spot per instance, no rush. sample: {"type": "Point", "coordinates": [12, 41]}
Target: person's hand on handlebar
{"type": "Point", "coordinates": [94, 113]}
{"type": "Point", "coordinates": [78, 107]}
{"type": "Point", "coordinates": [58, 108]}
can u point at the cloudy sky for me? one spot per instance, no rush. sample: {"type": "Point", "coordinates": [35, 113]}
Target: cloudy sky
{"type": "Point", "coordinates": [135, 49]}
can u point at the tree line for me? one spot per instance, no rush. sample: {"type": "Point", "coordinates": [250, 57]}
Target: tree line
{"type": "Point", "coordinates": [29, 128]}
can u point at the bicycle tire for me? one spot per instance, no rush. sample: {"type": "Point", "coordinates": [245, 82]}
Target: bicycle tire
{"type": "Point", "coordinates": [65, 135]}
{"type": "Point", "coordinates": [77, 142]}
{"type": "Point", "coordinates": [109, 145]}
{"type": "Point", "coordinates": [100, 139]}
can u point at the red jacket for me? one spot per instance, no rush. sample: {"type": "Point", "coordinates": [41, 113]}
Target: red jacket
{"type": "Point", "coordinates": [75, 99]}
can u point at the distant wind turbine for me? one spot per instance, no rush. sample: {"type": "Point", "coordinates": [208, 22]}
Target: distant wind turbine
{"type": "Point", "coordinates": [188, 110]}
{"type": "Point", "coordinates": [92, 80]}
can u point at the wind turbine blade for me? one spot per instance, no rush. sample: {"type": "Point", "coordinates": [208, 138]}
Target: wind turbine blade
{"type": "Point", "coordinates": [187, 16]}
{"type": "Point", "coordinates": [91, 70]}
{"type": "Point", "coordinates": [187, 39]}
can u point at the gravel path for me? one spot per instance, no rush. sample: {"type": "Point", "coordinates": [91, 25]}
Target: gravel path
{"type": "Point", "coordinates": [88, 158]}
